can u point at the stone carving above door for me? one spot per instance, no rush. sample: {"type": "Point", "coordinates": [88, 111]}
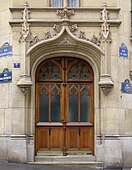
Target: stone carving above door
{"type": "Point", "coordinates": [59, 29]}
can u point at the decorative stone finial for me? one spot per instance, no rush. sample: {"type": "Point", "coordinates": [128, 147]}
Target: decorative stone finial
{"type": "Point", "coordinates": [25, 33]}
{"type": "Point", "coordinates": [105, 27]}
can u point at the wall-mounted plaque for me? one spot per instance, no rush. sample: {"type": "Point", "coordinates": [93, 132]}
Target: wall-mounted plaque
{"type": "Point", "coordinates": [6, 50]}
{"type": "Point", "coordinates": [126, 87]}
{"type": "Point", "coordinates": [16, 65]}
{"type": "Point", "coordinates": [6, 76]}
{"type": "Point", "coordinates": [123, 51]}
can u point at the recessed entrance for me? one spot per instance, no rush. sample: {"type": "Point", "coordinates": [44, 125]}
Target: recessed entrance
{"type": "Point", "coordinates": [64, 106]}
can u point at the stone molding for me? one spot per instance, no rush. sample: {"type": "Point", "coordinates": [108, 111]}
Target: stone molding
{"type": "Point", "coordinates": [65, 14]}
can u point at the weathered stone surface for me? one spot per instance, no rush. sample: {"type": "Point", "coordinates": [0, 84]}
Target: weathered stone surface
{"type": "Point", "coordinates": [112, 113]}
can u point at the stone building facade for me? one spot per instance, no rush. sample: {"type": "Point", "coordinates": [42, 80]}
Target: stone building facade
{"type": "Point", "coordinates": [82, 50]}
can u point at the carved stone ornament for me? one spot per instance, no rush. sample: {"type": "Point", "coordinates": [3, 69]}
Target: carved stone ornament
{"type": "Point", "coordinates": [131, 74]}
{"type": "Point", "coordinates": [82, 35]}
{"type": "Point", "coordinates": [25, 83]}
{"type": "Point", "coordinates": [57, 28]}
{"type": "Point", "coordinates": [73, 28]}
{"type": "Point", "coordinates": [34, 40]}
{"type": "Point", "coordinates": [105, 83]}
{"type": "Point", "coordinates": [65, 13]}
{"type": "Point", "coordinates": [105, 27]}
{"type": "Point", "coordinates": [47, 35]}
{"type": "Point", "coordinates": [25, 33]}
{"type": "Point", "coordinates": [95, 40]}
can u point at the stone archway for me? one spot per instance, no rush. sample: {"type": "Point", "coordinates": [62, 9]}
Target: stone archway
{"type": "Point", "coordinates": [64, 44]}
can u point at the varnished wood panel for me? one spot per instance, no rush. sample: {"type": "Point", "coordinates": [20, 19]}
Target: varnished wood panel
{"type": "Point", "coordinates": [65, 135]}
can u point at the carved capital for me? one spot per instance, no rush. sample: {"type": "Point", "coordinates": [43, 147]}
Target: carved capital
{"type": "Point", "coordinates": [105, 83]}
{"type": "Point", "coordinates": [65, 13]}
{"type": "Point", "coordinates": [25, 83]}
{"type": "Point", "coordinates": [24, 90]}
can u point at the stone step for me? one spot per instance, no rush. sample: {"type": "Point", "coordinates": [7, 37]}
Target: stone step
{"type": "Point", "coordinates": [85, 161]}
{"type": "Point", "coordinates": [60, 153]}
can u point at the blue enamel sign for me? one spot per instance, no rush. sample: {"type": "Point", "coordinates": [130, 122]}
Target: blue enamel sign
{"type": "Point", "coordinates": [6, 76]}
{"type": "Point", "coordinates": [16, 65]}
{"type": "Point", "coordinates": [6, 50]}
{"type": "Point", "coordinates": [123, 51]}
{"type": "Point", "coordinates": [126, 87]}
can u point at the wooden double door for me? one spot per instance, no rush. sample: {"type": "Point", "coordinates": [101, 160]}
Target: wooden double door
{"type": "Point", "coordinates": [64, 106]}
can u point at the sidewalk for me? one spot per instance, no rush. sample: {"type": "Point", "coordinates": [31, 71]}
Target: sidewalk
{"type": "Point", "coordinates": [4, 165]}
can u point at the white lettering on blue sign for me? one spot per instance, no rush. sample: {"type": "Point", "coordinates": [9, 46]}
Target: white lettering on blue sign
{"type": "Point", "coordinates": [123, 51]}
{"type": "Point", "coordinates": [6, 50]}
{"type": "Point", "coordinates": [126, 87]}
{"type": "Point", "coordinates": [6, 76]}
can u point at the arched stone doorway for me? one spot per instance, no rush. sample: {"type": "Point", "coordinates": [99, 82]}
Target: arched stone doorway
{"type": "Point", "coordinates": [65, 45]}
{"type": "Point", "coordinates": [64, 106]}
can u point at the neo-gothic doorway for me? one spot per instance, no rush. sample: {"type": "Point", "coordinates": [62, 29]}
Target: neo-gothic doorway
{"type": "Point", "coordinates": [65, 106]}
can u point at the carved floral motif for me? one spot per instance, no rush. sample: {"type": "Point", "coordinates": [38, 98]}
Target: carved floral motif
{"type": "Point", "coordinates": [95, 40]}
{"type": "Point", "coordinates": [73, 28]}
{"type": "Point", "coordinates": [65, 13]}
{"type": "Point", "coordinates": [58, 29]}
{"type": "Point", "coordinates": [47, 35]}
{"type": "Point", "coordinates": [82, 35]}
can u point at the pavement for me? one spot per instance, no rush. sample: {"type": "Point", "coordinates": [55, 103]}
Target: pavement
{"type": "Point", "coordinates": [5, 165]}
